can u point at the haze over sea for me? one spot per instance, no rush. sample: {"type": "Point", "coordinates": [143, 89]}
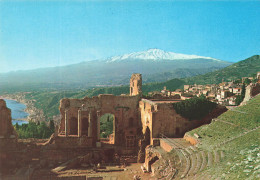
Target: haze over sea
{"type": "Point", "coordinates": [18, 113]}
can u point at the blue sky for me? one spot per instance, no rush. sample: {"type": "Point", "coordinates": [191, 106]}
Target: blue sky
{"type": "Point", "coordinates": [43, 34]}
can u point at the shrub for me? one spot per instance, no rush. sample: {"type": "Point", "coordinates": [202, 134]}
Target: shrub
{"type": "Point", "coordinates": [194, 108]}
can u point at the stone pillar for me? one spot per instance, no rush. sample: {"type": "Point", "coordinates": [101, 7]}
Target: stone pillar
{"type": "Point", "coordinates": [98, 125]}
{"type": "Point", "coordinates": [89, 125]}
{"type": "Point", "coordinates": [79, 123]}
{"type": "Point", "coordinates": [66, 123]}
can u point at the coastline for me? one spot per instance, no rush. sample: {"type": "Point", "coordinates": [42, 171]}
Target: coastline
{"type": "Point", "coordinates": [34, 114]}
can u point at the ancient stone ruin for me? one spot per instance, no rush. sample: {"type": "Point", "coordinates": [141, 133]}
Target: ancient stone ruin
{"type": "Point", "coordinates": [137, 123]}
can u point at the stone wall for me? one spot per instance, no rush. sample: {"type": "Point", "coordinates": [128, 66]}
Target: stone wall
{"type": "Point", "coordinates": [251, 91]}
{"type": "Point", "coordinates": [82, 116]}
{"type": "Point", "coordinates": [165, 145]}
{"type": "Point", "coordinates": [161, 118]}
{"type": "Point", "coordinates": [6, 128]}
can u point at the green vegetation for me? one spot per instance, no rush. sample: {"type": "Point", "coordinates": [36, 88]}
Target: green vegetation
{"type": "Point", "coordinates": [234, 133]}
{"type": "Point", "coordinates": [194, 108]}
{"type": "Point", "coordinates": [34, 130]}
{"type": "Point", "coordinates": [241, 97]}
{"type": "Point", "coordinates": [245, 68]}
{"type": "Point", "coordinates": [106, 125]}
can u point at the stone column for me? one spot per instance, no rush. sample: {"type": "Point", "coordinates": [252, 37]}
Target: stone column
{"type": "Point", "coordinates": [66, 123]}
{"type": "Point", "coordinates": [98, 125]}
{"type": "Point", "coordinates": [89, 125]}
{"type": "Point", "coordinates": [79, 123]}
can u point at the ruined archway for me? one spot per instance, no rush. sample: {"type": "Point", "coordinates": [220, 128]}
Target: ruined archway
{"type": "Point", "coordinates": [107, 127]}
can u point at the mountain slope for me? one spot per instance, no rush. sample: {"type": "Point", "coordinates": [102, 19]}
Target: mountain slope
{"type": "Point", "coordinates": [235, 71]}
{"type": "Point", "coordinates": [151, 63]}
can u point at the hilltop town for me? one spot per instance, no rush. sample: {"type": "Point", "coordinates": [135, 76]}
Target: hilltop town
{"type": "Point", "coordinates": [225, 93]}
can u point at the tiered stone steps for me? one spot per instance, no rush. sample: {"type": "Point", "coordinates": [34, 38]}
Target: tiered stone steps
{"type": "Point", "coordinates": [193, 160]}
{"type": "Point", "coordinates": [199, 161]}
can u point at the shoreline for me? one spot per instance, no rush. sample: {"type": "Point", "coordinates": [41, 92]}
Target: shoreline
{"type": "Point", "coordinates": [34, 114]}
{"type": "Point", "coordinates": [22, 119]}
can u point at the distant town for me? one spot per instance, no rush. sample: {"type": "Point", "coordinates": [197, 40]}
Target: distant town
{"type": "Point", "coordinates": [225, 93]}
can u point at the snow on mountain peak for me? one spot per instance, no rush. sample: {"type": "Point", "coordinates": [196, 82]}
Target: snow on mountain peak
{"type": "Point", "coordinates": [156, 54]}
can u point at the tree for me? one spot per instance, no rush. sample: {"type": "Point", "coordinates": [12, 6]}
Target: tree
{"type": "Point", "coordinates": [241, 97]}
{"type": "Point", "coordinates": [52, 126]}
{"type": "Point", "coordinates": [247, 81]}
{"type": "Point", "coordinates": [194, 108]}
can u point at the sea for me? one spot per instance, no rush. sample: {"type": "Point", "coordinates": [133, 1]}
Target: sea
{"type": "Point", "coordinates": [18, 113]}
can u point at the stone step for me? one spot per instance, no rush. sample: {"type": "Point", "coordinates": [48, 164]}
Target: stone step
{"type": "Point", "coordinates": [188, 150]}
{"type": "Point", "coordinates": [184, 152]}
{"type": "Point", "coordinates": [193, 164]}
{"type": "Point", "coordinates": [199, 163]}
{"type": "Point", "coordinates": [204, 161]}
{"type": "Point", "coordinates": [187, 167]}
{"type": "Point", "coordinates": [193, 148]}
{"type": "Point", "coordinates": [222, 155]}
{"type": "Point", "coordinates": [210, 159]}
{"type": "Point", "coordinates": [217, 158]}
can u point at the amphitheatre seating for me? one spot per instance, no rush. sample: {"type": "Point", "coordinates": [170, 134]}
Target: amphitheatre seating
{"type": "Point", "coordinates": [188, 163]}
{"type": "Point", "coordinates": [210, 159]}
{"type": "Point", "coordinates": [204, 161]}
{"type": "Point", "coordinates": [193, 161]}
{"type": "Point", "coordinates": [193, 164]}
{"type": "Point", "coordinates": [222, 154]}
{"type": "Point", "coordinates": [199, 161]}
{"type": "Point", "coordinates": [217, 158]}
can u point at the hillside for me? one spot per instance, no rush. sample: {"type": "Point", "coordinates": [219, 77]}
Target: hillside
{"type": "Point", "coordinates": [235, 71]}
{"type": "Point", "coordinates": [236, 133]}
{"type": "Point", "coordinates": [245, 68]}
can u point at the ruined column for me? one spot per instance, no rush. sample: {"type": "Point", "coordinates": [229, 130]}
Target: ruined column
{"type": "Point", "coordinates": [79, 123]}
{"type": "Point", "coordinates": [89, 125]}
{"type": "Point", "coordinates": [66, 123]}
{"type": "Point", "coordinates": [98, 125]}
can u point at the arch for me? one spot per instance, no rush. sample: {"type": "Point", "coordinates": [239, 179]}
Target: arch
{"type": "Point", "coordinates": [73, 126]}
{"type": "Point", "coordinates": [107, 127]}
{"type": "Point", "coordinates": [85, 125]}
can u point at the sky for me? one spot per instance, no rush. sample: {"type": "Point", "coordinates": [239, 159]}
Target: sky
{"type": "Point", "coordinates": [36, 34]}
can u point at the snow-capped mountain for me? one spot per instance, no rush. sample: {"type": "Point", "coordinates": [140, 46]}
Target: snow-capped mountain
{"type": "Point", "coordinates": [156, 55]}
{"type": "Point", "coordinates": [155, 65]}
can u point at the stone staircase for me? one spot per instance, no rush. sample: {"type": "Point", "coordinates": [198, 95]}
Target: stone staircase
{"type": "Point", "coordinates": [193, 161]}
{"type": "Point", "coordinates": [196, 161]}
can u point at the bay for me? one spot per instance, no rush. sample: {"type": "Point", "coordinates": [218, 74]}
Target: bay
{"type": "Point", "coordinates": [18, 113]}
